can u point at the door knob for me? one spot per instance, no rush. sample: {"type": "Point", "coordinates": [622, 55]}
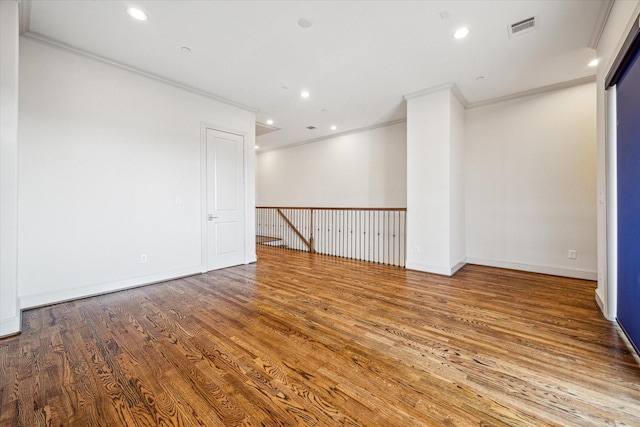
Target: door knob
{"type": "Point", "coordinates": [211, 217]}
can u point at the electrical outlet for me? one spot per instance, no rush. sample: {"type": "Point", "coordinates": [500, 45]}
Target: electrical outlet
{"type": "Point", "coordinates": [143, 259]}
{"type": "Point", "coordinates": [573, 254]}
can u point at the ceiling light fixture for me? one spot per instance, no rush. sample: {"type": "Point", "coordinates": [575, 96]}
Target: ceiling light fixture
{"type": "Point", "coordinates": [269, 122]}
{"type": "Point", "coordinates": [594, 62]}
{"type": "Point", "coordinates": [256, 146]}
{"type": "Point", "coordinates": [305, 94]}
{"type": "Point", "coordinates": [461, 33]}
{"type": "Point", "coordinates": [137, 14]}
{"type": "Point", "coordinates": [334, 127]}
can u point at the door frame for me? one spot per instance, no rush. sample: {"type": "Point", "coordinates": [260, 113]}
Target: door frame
{"type": "Point", "coordinates": [248, 201]}
{"type": "Point", "coordinates": [625, 54]}
{"type": "Point", "coordinates": [610, 198]}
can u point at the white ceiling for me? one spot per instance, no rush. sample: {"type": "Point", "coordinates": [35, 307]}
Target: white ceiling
{"type": "Point", "coordinates": [357, 60]}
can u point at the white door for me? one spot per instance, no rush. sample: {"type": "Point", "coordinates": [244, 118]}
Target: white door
{"type": "Point", "coordinates": [225, 199]}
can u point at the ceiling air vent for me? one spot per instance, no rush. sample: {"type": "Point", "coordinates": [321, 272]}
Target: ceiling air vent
{"type": "Point", "coordinates": [522, 27]}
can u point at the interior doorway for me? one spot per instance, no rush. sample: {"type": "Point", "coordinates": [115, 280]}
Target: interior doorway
{"type": "Point", "coordinates": [224, 201]}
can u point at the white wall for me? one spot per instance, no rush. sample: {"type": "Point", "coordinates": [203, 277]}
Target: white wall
{"type": "Point", "coordinates": [363, 169]}
{"type": "Point", "coordinates": [531, 182]}
{"type": "Point", "coordinates": [104, 155]}
{"type": "Point", "coordinates": [618, 25]}
{"type": "Point", "coordinates": [9, 54]}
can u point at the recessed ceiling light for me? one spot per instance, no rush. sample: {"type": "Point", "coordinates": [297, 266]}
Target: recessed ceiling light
{"type": "Point", "coordinates": [304, 94]}
{"type": "Point", "coordinates": [461, 33]}
{"type": "Point", "coordinates": [334, 127]}
{"type": "Point", "coordinates": [305, 22]}
{"type": "Point", "coordinates": [594, 62]}
{"type": "Point", "coordinates": [269, 122]}
{"type": "Point", "coordinates": [137, 14]}
{"type": "Point", "coordinates": [256, 146]}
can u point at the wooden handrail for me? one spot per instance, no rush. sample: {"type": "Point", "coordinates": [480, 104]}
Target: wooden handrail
{"type": "Point", "coordinates": [331, 209]}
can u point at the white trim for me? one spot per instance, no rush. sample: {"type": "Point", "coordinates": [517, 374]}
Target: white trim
{"type": "Point", "coordinates": [601, 23]}
{"type": "Point", "coordinates": [249, 164]}
{"type": "Point", "coordinates": [224, 129]}
{"type": "Point", "coordinates": [458, 266]}
{"type": "Point", "coordinates": [576, 273]}
{"type": "Point", "coordinates": [434, 269]}
{"type": "Point", "coordinates": [611, 170]}
{"type": "Point", "coordinates": [445, 86]}
{"type": "Point", "coordinates": [48, 298]}
{"type": "Point", "coordinates": [203, 196]}
{"type": "Point", "coordinates": [620, 44]}
{"type": "Point", "coordinates": [426, 268]}
{"type": "Point", "coordinates": [334, 135]}
{"type": "Point", "coordinates": [11, 326]}
{"type": "Point", "coordinates": [536, 91]}
{"type": "Point", "coordinates": [455, 90]}
{"type": "Point", "coordinates": [25, 16]}
{"type": "Point", "coordinates": [601, 306]}
{"type": "Point", "coordinates": [47, 41]}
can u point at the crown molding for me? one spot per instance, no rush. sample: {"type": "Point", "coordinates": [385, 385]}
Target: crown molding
{"type": "Point", "coordinates": [445, 86]}
{"type": "Point", "coordinates": [53, 43]}
{"type": "Point", "coordinates": [536, 91]}
{"type": "Point", "coordinates": [334, 135]}
{"type": "Point", "coordinates": [25, 15]}
{"type": "Point", "coordinates": [601, 22]}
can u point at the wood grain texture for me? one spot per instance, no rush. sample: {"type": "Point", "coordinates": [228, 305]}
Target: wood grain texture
{"type": "Point", "coordinates": [300, 339]}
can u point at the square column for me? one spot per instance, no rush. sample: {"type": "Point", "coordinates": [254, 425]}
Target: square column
{"type": "Point", "coordinates": [9, 36]}
{"type": "Point", "coordinates": [435, 181]}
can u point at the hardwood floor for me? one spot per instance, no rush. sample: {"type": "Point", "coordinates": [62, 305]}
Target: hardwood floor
{"type": "Point", "coordinates": [311, 340]}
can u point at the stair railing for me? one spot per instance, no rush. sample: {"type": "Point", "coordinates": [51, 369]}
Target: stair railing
{"type": "Point", "coordinates": [369, 234]}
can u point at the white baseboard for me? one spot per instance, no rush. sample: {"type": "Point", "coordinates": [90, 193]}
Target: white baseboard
{"type": "Point", "coordinates": [11, 326]}
{"type": "Point", "coordinates": [435, 269]}
{"type": "Point", "coordinates": [601, 305]}
{"type": "Point", "coordinates": [48, 298]}
{"type": "Point", "coordinates": [458, 266]}
{"type": "Point", "coordinates": [608, 314]}
{"type": "Point", "coordinates": [575, 273]}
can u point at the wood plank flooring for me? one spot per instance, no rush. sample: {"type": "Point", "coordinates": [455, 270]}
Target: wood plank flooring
{"type": "Point", "coordinates": [310, 340]}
